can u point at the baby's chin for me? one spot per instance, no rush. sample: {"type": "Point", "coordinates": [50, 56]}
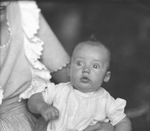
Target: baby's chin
{"type": "Point", "coordinates": [84, 89]}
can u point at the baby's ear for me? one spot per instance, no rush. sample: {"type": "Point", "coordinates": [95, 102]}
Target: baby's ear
{"type": "Point", "coordinates": [107, 76]}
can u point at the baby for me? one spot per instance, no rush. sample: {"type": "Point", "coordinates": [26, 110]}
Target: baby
{"type": "Point", "coordinates": [75, 105]}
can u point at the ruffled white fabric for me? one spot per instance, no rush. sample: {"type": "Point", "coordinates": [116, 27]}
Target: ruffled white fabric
{"type": "Point", "coordinates": [115, 110]}
{"type": "Point", "coordinates": [33, 48]}
{"type": "Point", "coordinates": [37, 85]}
{"type": "Point", "coordinates": [1, 94]}
{"type": "Point", "coordinates": [30, 15]}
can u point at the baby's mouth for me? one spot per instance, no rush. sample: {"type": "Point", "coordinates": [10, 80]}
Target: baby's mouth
{"type": "Point", "coordinates": [85, 79]}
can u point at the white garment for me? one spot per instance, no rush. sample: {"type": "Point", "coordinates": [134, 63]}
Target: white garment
{"type": "Point", "coordinates": [34, 48]}
{"type": "Point", "coordinates": [21, 71]}
{"type": "Point", "coordinates": [78, 110]}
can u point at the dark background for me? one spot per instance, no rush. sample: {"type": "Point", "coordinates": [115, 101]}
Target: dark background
{"type": "Point", "coordinates": [124, 26]}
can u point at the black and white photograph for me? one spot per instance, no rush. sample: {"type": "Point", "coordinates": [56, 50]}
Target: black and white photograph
{"type": "Point", "coordinates": [74, 65]}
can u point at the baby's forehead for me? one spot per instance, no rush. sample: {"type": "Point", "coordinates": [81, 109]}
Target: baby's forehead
{"type": "Point", "coordinates": [86, 48]}
{"type": "Point", "coordinates": [89, 44]}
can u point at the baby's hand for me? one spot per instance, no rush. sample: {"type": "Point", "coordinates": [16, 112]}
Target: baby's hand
{"type": "Point", "coordinates": [49, 112]}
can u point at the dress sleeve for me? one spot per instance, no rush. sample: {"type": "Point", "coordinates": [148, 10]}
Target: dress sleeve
{"type": "Point", "coordinates": [115, 110]}
{"type": "Point", "coordinates": [42, 49]}
{"type": "Point", "coordinates": [49, 93]}
{"type": "Point", "coordinates": [47, 48]}
{"type": "Point", "coordinates": [54, 91]}
{"type": "Point", "coordinates": [54, 55]}
{"type": "Point", "coordinates": [33, 47]}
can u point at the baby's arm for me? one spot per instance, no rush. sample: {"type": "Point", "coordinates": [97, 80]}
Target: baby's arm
{"type": "Point", "coordinates": [36, 104]}
{"type": "Point", "coordinates": [100, 126]}
{"type": "Point", "coordinates": [123, 125]}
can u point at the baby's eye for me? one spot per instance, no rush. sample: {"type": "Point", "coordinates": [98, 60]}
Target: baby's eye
{"type": "Point", "coordinates": [96, 66]}
{"type": "Point", "coordinates": [79, 63]}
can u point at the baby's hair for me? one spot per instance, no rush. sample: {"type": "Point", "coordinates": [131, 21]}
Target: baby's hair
{"type": "Point", "coordinates": [93, 38]}
{"type": "Point", "coordinates": [95, 42]}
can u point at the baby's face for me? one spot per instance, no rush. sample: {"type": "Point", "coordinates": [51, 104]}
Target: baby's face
{"type": "Point", "coordinates": [88, 67]}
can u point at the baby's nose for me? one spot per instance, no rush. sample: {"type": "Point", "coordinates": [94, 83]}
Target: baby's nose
{"type": "Point", "coordinates": [86, 70]}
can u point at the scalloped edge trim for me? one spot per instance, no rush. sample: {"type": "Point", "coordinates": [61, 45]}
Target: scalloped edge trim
{"type": "Point", "coordinates": [65, 65]}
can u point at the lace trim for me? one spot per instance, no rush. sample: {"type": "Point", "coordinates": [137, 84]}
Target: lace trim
{"type": "Point", "coordinates": [30, 15]}
{"type": "Point", "coordinates": [33, 45]}
{"type": "Point", "coordinates": [33, 49]}
{"type": "Point", "coordinates": [60, 67]}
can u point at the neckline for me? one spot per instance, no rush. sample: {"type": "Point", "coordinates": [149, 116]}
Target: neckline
{"type": "Point", "coordinates": [90, 94]}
